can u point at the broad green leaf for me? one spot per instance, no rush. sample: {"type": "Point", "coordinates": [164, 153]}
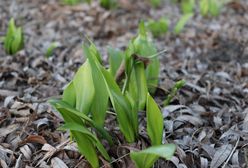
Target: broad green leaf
{"type": "Point", "coordinates": [87, 148]}
{"type": "Point", "coordinates": [91, 137]}
{"type": "Point", "coordinates": [119, 102]}
{"type": "Point", "coordinates": [100, 102]}
{"type": "Point", "coordinates": [69, 94]}
{"type": "Point", "coordinates": [204, 7]}
{"type": "Point", "coordinates": [154, 121]}
{"type": "Point", "coordinates": [73, 126]}
{"type": "Point", "coordinates": [147, 157]}
{"type": "Point", "coordinates": [62, 106]}
{"type": "Point", "coordinates": [182, 22]}
{"type": "Point", "coordinates": [126, 118]}
{"type": "Point", "coordinates": [115, 59]}
{"type": "Point", "coordinates": [84, 87]}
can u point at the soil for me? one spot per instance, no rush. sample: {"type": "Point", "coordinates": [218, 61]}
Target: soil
{"type": "Point", "coordinates": [207, 120]}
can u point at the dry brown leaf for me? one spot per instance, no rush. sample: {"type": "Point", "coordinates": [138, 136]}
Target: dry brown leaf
{"type": "Point", "coordinates": [34, 139]}
{"type": "Point", "coordinates": [221, 155]}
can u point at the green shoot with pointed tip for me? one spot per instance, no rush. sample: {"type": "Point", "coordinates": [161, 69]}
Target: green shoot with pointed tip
{"type": "Point", "coordinates": [14, 39]}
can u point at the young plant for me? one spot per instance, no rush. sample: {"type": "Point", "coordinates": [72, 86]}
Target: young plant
{"type": "Point", "coordinates": [187, 6]}
{"type": "Point", "coordinates": [14, 40]}
{"type": "Point", "coordinates": [211, 7]}
{"type": "Point", "coordinates": [158, 28]}
{"type": "Point", "coordinates": [146, 158]}
{"type": "Point", "coordinates": [182, 22]}
{"type": "Point", "coordinates": [174, 91]}
{"type": "Point", "coordinates": [86, 99]}
{"type": "Point", "coordinates": [108, 4]}
{"type": "Point", "coordinates": [50, 49]}
{"type": "Point", "coordinates": [74, 2]}
{"type": "Point", "coordinates": [155, 3]}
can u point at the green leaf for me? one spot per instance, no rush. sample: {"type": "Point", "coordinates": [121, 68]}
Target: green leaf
{"type": "Point", "coordinates": [158, 28]}
{"type": "Point", "coordinates": [63, 106]}
{"type": "Point", "coordinates": [91, 137]}
{"type": "Point", "coordinates": [87, 148]}
{"type": "Point", "coordinates": [155, 3]}
{"type": "Point", "coordinates": [182, 22]}
{"type": "Point", "coordinates": [69, 95]}
{"type": "Point", "coordinates": [188, 6]}
{"type": "Point", "coordinates": [17, 42]}
{"type": "Point", "coordinates": [154, 121]}
{"type": "Point", "coordinates": [176, 87]}
{"type": "Point", "coordinates": [108, 4]}
{"type": "Point", "coordinates": [115, 59]}
{"type": "Point", "coordinates": [204, 7]}
{"type": "Point", "coordinates": [147, 157]}
{"type": "Point", "coordinates": [214, 7]}
{"type": "Point", "coordinates": [84, 87]}
{"type": "Point", "coordinates": [13, 41]}
{"type": "Point", "coordinates": [119, 102]}
{"type": "Point", "coordinates": [141, 84]}
{"type": "Point", "coordinates": [50, 49]}
{"type": "Point", "coordinates": [144, 47]}
{"type": "Point", "coordinates": [73, 126]}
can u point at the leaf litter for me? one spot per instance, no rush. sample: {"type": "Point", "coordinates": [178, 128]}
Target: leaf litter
{"type": "Point", "coordinates": [207, 119]}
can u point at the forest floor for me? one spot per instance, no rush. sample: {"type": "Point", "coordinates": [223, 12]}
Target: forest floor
{"type": "Point", "coordinates": [207, 120]}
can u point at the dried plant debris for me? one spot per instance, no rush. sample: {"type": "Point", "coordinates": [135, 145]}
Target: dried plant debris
{"type": "Point", "coordinates": [207, 119]}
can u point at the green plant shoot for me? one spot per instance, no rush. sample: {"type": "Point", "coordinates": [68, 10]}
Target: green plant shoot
{"type": "Point", "coordinates": [14, 39]}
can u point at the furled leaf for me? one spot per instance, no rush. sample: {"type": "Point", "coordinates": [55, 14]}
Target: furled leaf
{"type": "Point", "coordinates": [141, 84]}
{"type": "Point", "coordinates": [147, 157]}
{"type": "Point", "coordinates": [144, 47]}
{"type": "Point", "coordinates": [182, 22]}
{"type": "Point", "coordinates": [154, 121]}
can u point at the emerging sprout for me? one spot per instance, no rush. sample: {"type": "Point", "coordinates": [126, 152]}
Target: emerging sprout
{"type": "Point", "coordinates": [14, 40]}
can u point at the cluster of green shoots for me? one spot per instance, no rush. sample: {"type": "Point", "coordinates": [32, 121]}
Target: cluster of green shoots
{"type": "Point", "coordinates": [188, 8]}
{"type": "Point", "coordinates": [14, 39]}
{"type": "Point", "coordinates": [126, 87]}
